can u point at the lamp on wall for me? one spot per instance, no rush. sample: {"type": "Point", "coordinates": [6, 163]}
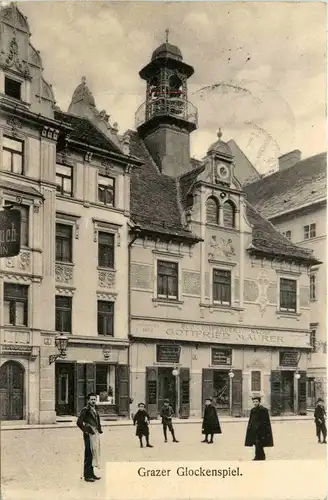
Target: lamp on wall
{"type": "Point", "coordinates": [297, 375]}
{"type": "Point", "coordinates": [176, 373]}
{"type": "Point", "coordinates": [61, 342]}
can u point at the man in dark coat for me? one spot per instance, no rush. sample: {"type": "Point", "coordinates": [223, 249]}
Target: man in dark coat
{"type": "Point", "coordinates": [141, 418]}
{"type": "Point", "coordinates": [167, 413]}
{"type": "Point", "coordinates": [211, 424]}
{"type": "Point", "coordinates": [259, 432]}
{"type": "Point", "coordinates": [319, 418]}
{"type": "Point", "coordinates": [89, 423]}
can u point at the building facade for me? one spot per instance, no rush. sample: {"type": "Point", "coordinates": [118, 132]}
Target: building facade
{"type": "Point", "coordinates": [294, 199]}
{"type": "Point", "coordinates": [69, 175]}
{"type": "Point", "coordinates": [219, 298]}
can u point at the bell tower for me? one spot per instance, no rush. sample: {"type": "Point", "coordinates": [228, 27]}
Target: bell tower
{"type": "Point", "coordinates": [166, 119]}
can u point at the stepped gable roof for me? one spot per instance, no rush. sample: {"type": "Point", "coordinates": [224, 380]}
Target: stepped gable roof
{"type": "Point", "coordinates": [290, 189]}
{"type": "Point", "coordinates": [154, 197]}
{"type": "Point", "coordinates": [84, 131]}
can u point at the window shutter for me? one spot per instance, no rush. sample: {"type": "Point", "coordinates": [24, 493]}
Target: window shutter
{"type": "Point", "coordinates": [184, 392]}
{"type": "Point", "coordinates": [228, 214]}
{"type": "Point", "coordinates": [212, 211]}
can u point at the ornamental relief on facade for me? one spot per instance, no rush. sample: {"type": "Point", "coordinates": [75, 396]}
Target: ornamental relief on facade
{"type": "Point", "coordinates": [141, 276]}
{"type": "Point", "coordinates": [220, 248]}
{"type": "Point", "coordinates": [263, 284]}
{"type": "Point", "coordinates": [21, 262]}
{"type": "Point", "coordinates": [106, 279]}
{"type": "Point", "coordinates": [16, 337]}
{"type": "Point", "coordinates": [191, 283]}
{"type": "Point", "coordinates": [64, 273]}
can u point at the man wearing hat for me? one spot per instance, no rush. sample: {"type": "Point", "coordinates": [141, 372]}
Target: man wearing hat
{"type": "Point", "coordinates": [167, 413]}
{"type": "Point", "coordinates": [319, 418]}
{"type": "Point", "coordinates": [259, 432]}
{"type": "Point", "coordinates": [211, 424]}
{"type": "Point", "coordinates": [141, 418]}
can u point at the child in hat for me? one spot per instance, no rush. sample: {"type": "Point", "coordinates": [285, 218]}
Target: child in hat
{"type": "Point", "coordinates": [141, 418]}
{"type": "Point", "coordinates": [319, 418]}
{"type": "Point", "coordinates": [167, 413]}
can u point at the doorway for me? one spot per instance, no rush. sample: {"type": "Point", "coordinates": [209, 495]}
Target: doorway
{"type": "Point", "coordinates": [12, 391]}
{"type": "Point", "coordinates": [166, 387]}
{"type": "Point", "coordinates": [287, 391]}
{"type": "Point", "coordinates": [221, 392]}
{"type": "Point", "coordinates": [65, 380]}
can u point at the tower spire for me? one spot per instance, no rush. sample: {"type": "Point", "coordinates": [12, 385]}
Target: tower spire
{"type": "Point", "coordinates": [167, 31]}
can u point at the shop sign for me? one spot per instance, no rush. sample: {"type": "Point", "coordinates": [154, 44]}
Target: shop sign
{"type": "Point", "coordinates": [221, 356]}
{"type": "Point", "coordinates": [10, 229]}
{"type": "Point", "coordinates": [220, 334]}
{"type": "Point", "coordinates": [168, 353]}
{"type": "Point", "coordinates": [288, 358]}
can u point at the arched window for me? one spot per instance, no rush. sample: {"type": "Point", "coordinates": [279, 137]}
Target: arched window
{"type": "Point", "coordinates": [229, 212]}
{"type": "Point", "coordinates": [212, 211]}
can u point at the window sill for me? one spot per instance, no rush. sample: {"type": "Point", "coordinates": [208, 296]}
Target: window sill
{"type": "Point", "coordinates": [102, 268]}
{"type": "Point", "coordinates": [105, 335]}
{"type": "Point", "coordinates": [167, 302]}
{"type": "Point", "coordinates": [288, 314]}
{"type": "Point", "coordinates": [63, 263]}
{"type": "Point", "coordinates": [222, 307]}
{"type": "Point", "coordinates": [20, 327]}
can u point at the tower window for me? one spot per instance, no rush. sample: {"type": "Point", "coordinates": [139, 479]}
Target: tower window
{"type": "Point", "coordinates": [12, 88]}
{"type": "Point", "coordinates": [229, 214]}
{"type": "Point", "coordinates": [212, 211]}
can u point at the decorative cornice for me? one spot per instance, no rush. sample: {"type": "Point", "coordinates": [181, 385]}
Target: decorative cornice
{"type": "Point", "coordinates": [50, 133]}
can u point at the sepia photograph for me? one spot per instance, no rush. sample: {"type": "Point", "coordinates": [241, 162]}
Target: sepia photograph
{"type": "Point", "coordinates": [163, 253]}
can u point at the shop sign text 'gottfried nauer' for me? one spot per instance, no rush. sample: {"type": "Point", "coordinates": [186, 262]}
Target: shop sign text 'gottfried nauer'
{"type": "Point", "coordinates": [219, 334]}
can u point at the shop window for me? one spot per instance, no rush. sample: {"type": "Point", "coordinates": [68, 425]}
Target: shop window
{"type": "Point", "coordinates": [309, 231]}
{"type": "Point", "coordinates": [64, 180]}
{"type": "Point", "coordinates": [63, 306]}
{"type": "Point", "coordinates": [313, 291]}
{"type": "Point", "coordinates": [167, 279]}
{"type": "Point", "coordinates": [229, 214]}
{"type": "Point", "coordinates": [106, 190]}
{"type": "Point", "coordinates": [288, 295]}
{"type": "Point", "coordinates": [64, 243]}
{"type": "Point", "coordinates": [12, 155]}
{"type": "Point", "coordinates": [15, 304]}
{"type": "Point", "coordinates": [104, 390]}
{"type": "Point", "coordinates": [106, 245]}
{"type": "Point", "coordinates": [63, 388]}
{"type": "Point", "coordinates": [221, 356]}
{"type": "Point", "coordinates": [212, 211]}
{"type": "Point", "coordinates": [24, 210]}
{"type": "Point", "coordinates": [255, 381]}
{"type": "Point", "coordinates": [105, 318]}
{"type": "Point", "coordinates": [12, 88]}
{"type": "Point", "coordinates": [221, 287]}
{"type": "Point", "coordinates": [288, 358]}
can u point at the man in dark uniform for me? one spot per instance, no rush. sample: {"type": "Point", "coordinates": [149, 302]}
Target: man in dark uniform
{"type": "Point", "coordinates": [259, 432]}
{"type": "Point", "coordinates": [211, 424]}
{"type": "Point", "coordinates": [89, 423]}
{"type": "Point", "coordinates": [167, 413]}
{"type": "Point", "coordinates": [319, 418]}
{"type": "Point", "coordinates": [142, 420]}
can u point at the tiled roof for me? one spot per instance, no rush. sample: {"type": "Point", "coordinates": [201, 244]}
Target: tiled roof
{"type": "Point", "coordinates": [84, 131]}
{"type": "Point", "coordinates": [290, 189]}
{"type": "Point", "coordinates": [187, 181]}
{"type": "Point", "coordinates": [154, 197]}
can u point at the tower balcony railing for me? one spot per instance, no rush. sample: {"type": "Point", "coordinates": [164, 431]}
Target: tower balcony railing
{"type": "Point", "coordinates": [168, 106]}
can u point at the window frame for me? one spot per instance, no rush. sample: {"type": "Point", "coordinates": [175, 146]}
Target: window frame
{"type": "Point", "coordinates": [13, 152]}
{"type": "Point", "coordinates": [233, 208]}
{"type": "Point", "coordinates": [288, 309]}
{"type": "Point", "coordinates": [63, 239]}
{"type": "Point", "coordinates": [102, 186]}
{"type": "Point", "coordinates": [218, 208]}
{"type": "Point", "coordinates": [251, 381]}
{"type": "Point", "coordinates": [288, 234]}
{"type": "Point", "coordinates": [15, 80]}
{"type": "Point", "coordinates": [113, 236]}
{"type": "Point", "coordinates": [218, 269]}
{"type": "Point", "coordinates": [13, 300]}
{"type": "Point", "coordinates": [310, 231]}
{"type": "Point", "coordinates": [63, 176]}
{"type": "Point", "coordinates": [64, 309]}
{"type": "Point", "coordinates": [106, 314]}
{"type": "Point", "coordinates": [162, 261]}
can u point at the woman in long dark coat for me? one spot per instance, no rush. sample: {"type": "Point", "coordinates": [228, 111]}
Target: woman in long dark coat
{"type": "Point", "coordinates": [259, 432]}
{"type": "Point", "coordinates": [211, 424]}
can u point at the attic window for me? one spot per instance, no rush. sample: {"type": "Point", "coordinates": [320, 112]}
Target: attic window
{"type": "Point", "coordinates": [190, 201]}
{"type": "Point", "coordinates": [12, 88]}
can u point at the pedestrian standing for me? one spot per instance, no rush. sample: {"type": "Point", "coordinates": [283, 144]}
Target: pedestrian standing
{"type": "Point", "coordinates": [167, 413]}
{"type": "Point", "coordinates": [259, 432]}
{"type": "Point", "coordinates": [319, 418]}
{"type": "Point", "coordinates": [89, 423]}
{"type": "Point", "coordinates": [211, 424]}
{"type": "Point", "coordinates": [141, 418]}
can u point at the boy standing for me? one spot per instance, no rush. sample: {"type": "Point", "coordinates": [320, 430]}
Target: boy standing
{"type": "Point", "coordinates": [142, 420]}
{"type": "Point", "coordinates": [167, 413]}
{"type": "Point", "coordinates": [319, 418]}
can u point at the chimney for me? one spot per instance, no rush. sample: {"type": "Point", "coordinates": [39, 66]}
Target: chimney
{"type": "Point", "coordinates": [289, 159]}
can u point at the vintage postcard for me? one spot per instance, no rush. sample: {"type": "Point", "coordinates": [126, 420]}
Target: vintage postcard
{"type": "Point", "coordinates": [163, 250]}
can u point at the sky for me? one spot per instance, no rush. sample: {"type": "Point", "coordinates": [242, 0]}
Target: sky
{"type": "Point", "coordinates": [260, 71]}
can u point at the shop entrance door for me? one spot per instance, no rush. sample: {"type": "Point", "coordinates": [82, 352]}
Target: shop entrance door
{"type": "Point", "coordinates": [287, 380]}
{"type": "Point", "coordinates": [221, 392]}
{"type": "Point", "coordinates": [11, 391]}
{"type": "Point", "coordinates": [166, 387]}
{"type": "Point", "coordinates": [65, 388]}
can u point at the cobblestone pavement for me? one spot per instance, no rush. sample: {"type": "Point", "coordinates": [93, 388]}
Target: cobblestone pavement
{"type": "Point", "coordinates": [47, 463]}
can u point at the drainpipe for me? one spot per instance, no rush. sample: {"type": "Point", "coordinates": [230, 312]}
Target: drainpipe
{"type": "Point", "coordinates": [136, 232]}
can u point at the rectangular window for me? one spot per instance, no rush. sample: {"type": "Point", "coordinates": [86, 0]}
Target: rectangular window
{"type": "Point", "coordinates": [287, 234]}
{"type": "Point", "coordinates": [24, 210]}
{"type": "Point", "coordinates": [102, 385]}
{"type": "Point", "coordinates": [288, 295]}
{"type": "Point", "coordinates": [63, 388]}
{"type": "Point", "coordinates": [167, 279]}
{"type": "Point", "coordinates": [106, 245]}
{"type": "Point", "coordinates": [63, 314]}
{"type": "Point", "coordinates": [313, 292]}
{"type": "Point", "coordinates": [15, 304]}
{"type": "Point", "coordinates": [64, 180]}
{"type": "Point", "coordinates": [309, 231]}
{"type": "Point", "coordinates": [221, 286]}
{"type": "Point", "coordinates": [313, 339]}
{"type": "Point", "coordinates": [256, 381]}
{"type": "Point", "coordinates": [12, 155]}
{"type": "Point", "coordinates": [221, 356]}
{"type": "Point", "coordinates": [64, 243]}
{"type": "Point", "coordinates": [106, 190]}
{"type": "Point", "coordinates": [105, 318]}
{"type": "Point", "coordinates": [12, 88]}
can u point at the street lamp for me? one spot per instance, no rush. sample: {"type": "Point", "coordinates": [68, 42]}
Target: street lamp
{"type": "Point", "coordinates": [231, 376]}
{"type": "Point", "coordinates": [297, 375]}
{"type": "Point", "coordinates": [176, 373]}
{"type": "Point", "coordinates": [61, 342]}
